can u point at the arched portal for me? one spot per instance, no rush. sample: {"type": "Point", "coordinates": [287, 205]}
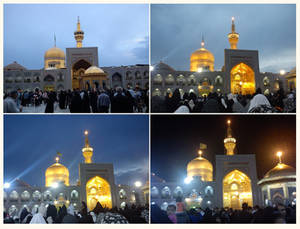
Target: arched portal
{"type": "Point", "coordinates": [237, 190]}
{"type": "Point", "coordinates": [78, 70]}
{"type": "Point", "coordinates": [242, 79]}
{"type": "Point", "coordinates": [98, 190]}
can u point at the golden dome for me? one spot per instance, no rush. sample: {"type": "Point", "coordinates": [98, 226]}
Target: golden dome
{"type": "Point", "coordinates": [94, 70]}
{"type": "Point", "coordinates": [200, 167]}
{"type": "Point", "coordinates": [54, 53]}
{"type": "Point", "coordinates": [57, 173]}
{"type": "Point", "coordinates": [202, 58]}
{"type": "Point", "coordinates": [279, 172]}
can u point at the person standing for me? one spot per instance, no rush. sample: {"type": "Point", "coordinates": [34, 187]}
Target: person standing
{"type": "Point", "coordinates": [103, 102]}
{"type": "Point", "coordinates": [10, 105]}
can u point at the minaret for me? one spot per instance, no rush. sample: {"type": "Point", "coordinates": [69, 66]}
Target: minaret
{"type": "Point", "coordinates": [229, 141]}
{"type": "Point", "coordinates": [233, 37]}
{"type": "Point", "coordinates": [78, 34]}
{"type": "Point", "coordinates": [87, 150]}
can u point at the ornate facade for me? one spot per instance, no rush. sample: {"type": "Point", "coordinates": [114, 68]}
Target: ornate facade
{"type": "Point", "coordinates": [79, 68]}
{"type": "Point", "coordinates": [239, 75]}
{"type": "Point", "coordinates": [96, 183]}
{"type": "Point", "coordinates": [233, 183]}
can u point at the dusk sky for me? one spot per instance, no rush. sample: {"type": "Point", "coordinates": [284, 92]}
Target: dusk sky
{"type": "Point", "coordinates": [120, 31]}
{"type": "Point", "coordinates": [32, 141]}
{"type": "Point", "coordinates": [175, 140]}
{"type": "Point", "coordinates": [176, 32]}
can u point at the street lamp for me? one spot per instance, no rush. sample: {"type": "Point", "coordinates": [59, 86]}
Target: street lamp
{"type": "Point", "coordinates": [6, 185]}
{"type": "Point", "coordinates": [282, 72]}
{"type": "Point", "coordinates": [138, 184]}
{"type": "Point", "coordinates": [54, 185]}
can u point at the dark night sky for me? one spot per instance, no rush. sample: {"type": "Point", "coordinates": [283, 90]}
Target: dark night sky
{"type": "Point", "coordinates": [175, 140]}
{"type": "Point", "coordinates": [32, 141]}
{"type": "Point", "coordinates": [176, 31]}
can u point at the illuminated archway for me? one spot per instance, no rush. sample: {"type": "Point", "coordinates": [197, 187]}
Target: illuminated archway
{"type": "Point", "coordinates": [78, 70]}
{"type": "Point", "coordinates": [242, 79]}
{"type": "Point", "coordinates": [98, 190]}
{"type": "Point", "coordinates": [237, 190]}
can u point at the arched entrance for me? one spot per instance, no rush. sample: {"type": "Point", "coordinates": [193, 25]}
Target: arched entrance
{"type": "Point", "coordinates": [77, 73]}
{"type": "Point", "coordinates": [98, 190]}
{"type": "Point", "coordinates": [242, 79]}
{"type": "Point", "coordinates": [116, 80]}
{"type": "Point", "coordinates": [237, 190]}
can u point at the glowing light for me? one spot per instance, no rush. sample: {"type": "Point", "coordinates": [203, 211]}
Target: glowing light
{"type": "Point", "coordinates": [57, 159]}
{"type": "Point", "coordinates": [279, 154]}
{"type": "Point", "coordinates": [232, 18]}
{"type": "Point", "coordinates": [200, 69]}
{"type": "Point", "coordinates": [54, 185]}
{"type": "Point", "coordinates": [6, 185]}
{"type": "Point", "coordinates": [67, 201]}
{"type": "Point", "coordinates": [55, 202]}
{"type": "Point", "coordinates": [151, 68]}
{"type": "Point", "coordinates": [86, 132]}
{"type": "Point", "coordinates": [228, 122]}
{"type": "Point", "coordinates": [200, 152]}
{"type": "Point", "coordinates": [138, 184]}
{"type": "Point", "coordinates": [282, 72]}
{"type": "Point", "coordinates": [188, 180]}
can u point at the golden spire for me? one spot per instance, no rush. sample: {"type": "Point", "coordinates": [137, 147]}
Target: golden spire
{"type": "Point", "coordinates": [87, 150]}
{"type": "Point", "coordinates": [229, 141]}
{"type": "Point", "coordinates": [279, 154]}
{"type": "Point", "coordinates": [200, 152]}
{"type": "Point", "coordinates": [78, 34]}
{"type": "Point", "coordinates": [202, 42]}
{"type": "Point", "coordinates": [233, 37]}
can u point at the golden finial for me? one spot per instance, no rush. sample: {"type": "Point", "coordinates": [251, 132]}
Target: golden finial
{"type": "Point", "coordinates": [200, 152]}
{"type": "Point", "coordinates": [202, 42]}
{"type": "Point", "coordinates": [229, 134]}
{"type": "Point", "coordinates": [86, 133]}
{"type": "Point", "coordinates": [232, 25]}
{"type": "Point", "coordinates": [279, 154]}
{"type": "Point", "coordinates": [57, 159]}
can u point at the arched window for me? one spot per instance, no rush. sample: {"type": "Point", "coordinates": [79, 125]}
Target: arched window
{"type": "Point", "coordinates": [266, 81]}
{"type": "Point", "coordinates": [169, 80]}
{"type": "Point", "coordinates": [47, 195]}
{"type": "Point", "coordinates": [25, 196]}
{"type": "Point", "coordinates": [166, 192]}
{"type": "Point", "coordinates": [122, 194]}
{"type": "Point", "coordinates": [74, 195]}
{"type": "Point", "coordinates": [49, 78]}
{"type": "Point", "coordinates": [14, 196]}
{"type": "Point", "coordinates": [209, 190]}
{"type": "Point", "coordinates": [36, 195]}
{"type": "Point", "coordinates": [178, 192]}
{"type": "Point", "coordinates": [154, 192]}
{"type": "Point", "coordinates": [180, 80]}
{"type": "Point", "coordinates": [138, 75]}
{"type": "Point", "coordinates": [218, 81]}
{"type": "Point", "coordinates": [128, 75]}
{"type": "Point", "coordinates": [146, 74]}
{"type": "Point", "coordinates": [157, 79]}
{"type": "Point", "coordinates": [156, 92]}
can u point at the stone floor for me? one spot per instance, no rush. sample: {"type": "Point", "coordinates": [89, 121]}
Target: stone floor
{"type": "Point", "coordinates": [41, 109]}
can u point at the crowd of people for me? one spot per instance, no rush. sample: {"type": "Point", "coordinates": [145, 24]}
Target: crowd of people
{"type": "Point", "coordinates": [178, 102]}
{"type": "Point", "coordinates": [118, 100]}
{"type": "Point", "coordinates": [175, 213]}
{"type": "Point", "coordinates": [99, 215]}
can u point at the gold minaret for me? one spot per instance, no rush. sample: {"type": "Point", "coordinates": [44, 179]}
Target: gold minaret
{"type": "Point", "coordinates": [78, 34]}
{"type": "Point", "coordinates": [229, 141]}
{"type": "Point", "coordinates": [233, 37]}
{"type": "Point", "coordinates": [87, 150]}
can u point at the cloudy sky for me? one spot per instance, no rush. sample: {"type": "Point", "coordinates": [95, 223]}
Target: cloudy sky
{"type": "Point", "coordinates": [32, 141]}
{"type": "Point", "coordinates": [120, 31]}
{"type": "Point", "coordinates": [176, 32]}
